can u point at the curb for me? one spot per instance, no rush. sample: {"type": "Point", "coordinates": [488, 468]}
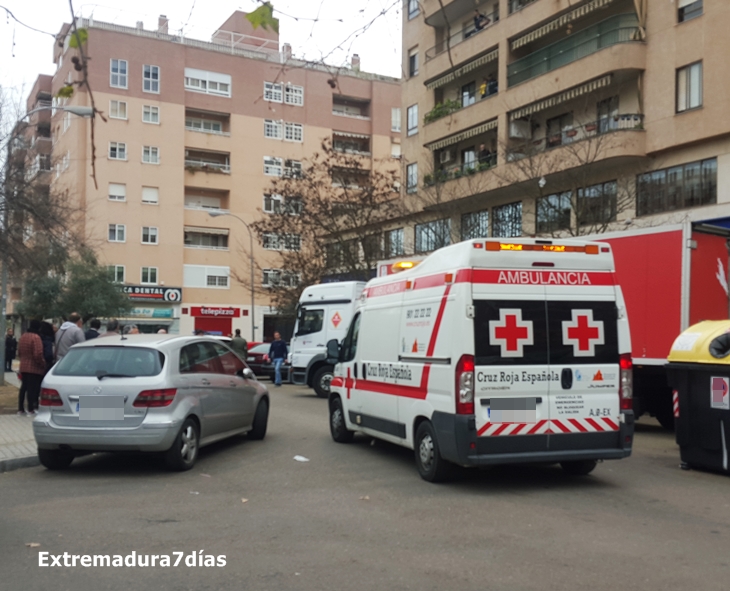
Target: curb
{"type": "Point", "coordinates": [16, 463]}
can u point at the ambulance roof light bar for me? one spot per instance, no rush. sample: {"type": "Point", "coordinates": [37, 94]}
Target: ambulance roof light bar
{"type": "Point", "coordinates": [541, 246]}
{"type": "Point", "coordinates": [402, 266]}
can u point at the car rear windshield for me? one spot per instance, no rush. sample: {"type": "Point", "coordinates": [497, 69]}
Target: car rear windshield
{"type": "Point", "coordinates": [114, 361]}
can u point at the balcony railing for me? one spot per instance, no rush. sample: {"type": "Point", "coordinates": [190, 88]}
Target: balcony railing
{"type": "Point", "coordinates": [207, 166]}
{"type": "Point", "coordinates": [204, 247]}
{"type": "Point", "coordinates": [460, 170]}
{"type": "Point", "coordinates": [204, 208]}
{"type": "Point", "coordinates": [210, 131]}
{"type": "Point", "coordinates": [461, 36]}
{"type": "Point", "coordinates": [592, 129]}
{"type": "Point", "coordinates": [622, 28]}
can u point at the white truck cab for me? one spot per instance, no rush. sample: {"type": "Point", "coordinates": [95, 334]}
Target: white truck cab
{"type": "Point", "coordinates": [324, 313]}
{"type": "Point", "coordinates": [491, 352]}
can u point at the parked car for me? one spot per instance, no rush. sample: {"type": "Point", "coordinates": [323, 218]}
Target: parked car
{"type": "Point", "coordinates": [259, 362]}
{"type": "Point", "coordinates": [148, 393]}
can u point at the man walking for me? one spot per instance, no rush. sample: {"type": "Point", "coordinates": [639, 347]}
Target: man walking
{"type": "Point", "coordinates": [68, 335]}
{"type": "Point", "coordinates": [32, 367]}
{"type": "Point", "coordinates": [93, 332]}
{"type": "Point", "coordinates": [277, 354]}
{"type": "Point", "coordinates": [11, 348]}
{"type": "Point", "coordinates": [239, 345]}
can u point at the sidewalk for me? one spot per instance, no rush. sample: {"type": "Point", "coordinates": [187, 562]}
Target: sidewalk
{"type": "Point", "coordinates": [17, 445]}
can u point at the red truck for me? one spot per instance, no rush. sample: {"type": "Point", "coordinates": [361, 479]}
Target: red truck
{"type": "Point", "coordinates": [671, 277]}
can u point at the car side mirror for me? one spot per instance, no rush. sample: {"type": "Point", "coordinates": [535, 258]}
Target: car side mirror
{"type": "Point", "coordinates": [247, 373]}
{"type": "Point", "coordinates": [333, 351]}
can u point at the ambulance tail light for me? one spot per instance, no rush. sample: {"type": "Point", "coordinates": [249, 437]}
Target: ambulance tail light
{"type": "Point", "coordinates": [626, 382]}
{"type": "Point", "coordinates": [465, 385]}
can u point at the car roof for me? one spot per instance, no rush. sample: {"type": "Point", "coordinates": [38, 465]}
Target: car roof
{"type": "Point", "coordinates": [158, 341]}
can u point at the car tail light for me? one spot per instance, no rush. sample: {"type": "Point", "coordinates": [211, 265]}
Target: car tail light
{"type": "Point", "coordinates": [50, 397]}
{"type": "Point", "coordinates": [626, 382]}
{"type": "Point", "coordinates": [155, 398]}
{"type": "Point", "coordinates": [465, 385]}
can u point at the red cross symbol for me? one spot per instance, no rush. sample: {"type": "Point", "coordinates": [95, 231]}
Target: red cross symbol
{"type": "Point", "coordinates": [349, 383]}
{"type": "Point", "coordinates": [583, 333]}
{"type": "Point", "coordinates": [510, 332]}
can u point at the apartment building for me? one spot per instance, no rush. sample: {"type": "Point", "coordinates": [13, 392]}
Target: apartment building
{"type": "Point", "coordinates": [28, 163]}
{"type": "Point", "coordinates": [555, 117]}
{"type": "Point", "coordinates": [195, 133]}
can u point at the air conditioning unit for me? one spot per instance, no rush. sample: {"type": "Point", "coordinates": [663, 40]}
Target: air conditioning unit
{"type": "Point", "coordinates": [445, 156]}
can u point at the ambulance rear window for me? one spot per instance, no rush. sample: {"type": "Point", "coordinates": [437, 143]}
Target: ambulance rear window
{"type": "Point", "coordinates": [539, 332]}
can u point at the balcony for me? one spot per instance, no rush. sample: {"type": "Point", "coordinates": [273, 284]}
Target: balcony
{"type": "Point", "coordinates": [515, 5]}
{"type": "Point", "coordinates": [461, 36]}
{"type": "Point", "coordinates": [351, 107]}
{"type": "Point", "coordinates": [213, 162]}
{"type": "Point", "coordinates": [595, 131]}
{"type": "Point", "coordinates": [464, 169]}
{"type": "Point", "coordinates": [622, 28]}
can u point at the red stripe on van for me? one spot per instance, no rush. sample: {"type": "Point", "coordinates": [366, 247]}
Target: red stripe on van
{"type": "Point", "coordinates": [578, 426]}
{"type": "Point", "coordinates": [610, 423]}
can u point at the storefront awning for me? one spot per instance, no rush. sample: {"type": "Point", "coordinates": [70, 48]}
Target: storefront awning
{"type": "Point", "coordinates": [197, 230]}
{"type": "Point", "coordinates": [554, 25]}
{"type": "Point", "coordinates": [360, 136]}
{"type": "Point", "coordinates": [458, 72]}
{"type": "Point", "coordinates": [556, 99]}
{"type": "Point", "coordinates": [456, 138]}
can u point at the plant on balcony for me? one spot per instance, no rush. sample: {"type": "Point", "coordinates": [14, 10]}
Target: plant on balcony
{"type": "Point", "coordinates": [470, 170]}
{"type": "Point", "coordinates": [591, 127]}
{"type": "Point", "coordinates": [572, 133]}
{"type": "Point", "coordinates": [458, 173]}
{"type": "Point", "coordinates": [484, 166]}
{"type": "Point", "coordinates": [428, 180]}
{"type": "Point", "coordinates": [441, 110]}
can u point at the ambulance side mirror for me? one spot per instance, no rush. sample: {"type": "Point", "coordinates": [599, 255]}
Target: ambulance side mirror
{"type": "Point", "coordinates": [333, 351]}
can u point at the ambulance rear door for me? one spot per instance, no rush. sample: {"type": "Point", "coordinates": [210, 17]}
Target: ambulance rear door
{"type": "Point", "coordinates": [511, 364]}
{"type": "Point", "coordinates": [584, 357]}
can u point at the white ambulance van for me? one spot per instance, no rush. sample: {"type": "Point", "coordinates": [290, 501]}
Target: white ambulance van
{"type": "Point", "coordinates": [323, 313]}
{"type": "Point", "coordinates": [491, 352]}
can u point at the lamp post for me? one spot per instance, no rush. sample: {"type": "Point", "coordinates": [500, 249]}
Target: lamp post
{"type": "Point", "coordinates": [215, 214]}
{"type": "Point", "coordinates": [79, 111]}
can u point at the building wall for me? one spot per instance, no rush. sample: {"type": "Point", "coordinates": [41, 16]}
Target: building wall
{"type": "Point", "coordinates": [243, 143]}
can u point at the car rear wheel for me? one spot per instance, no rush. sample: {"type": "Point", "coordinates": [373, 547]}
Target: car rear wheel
{"type": "Point", "coordinates": [55, 459]}
{"type": "Point", "coordinates": [579, 467]}
{"type": "Point", "coordinates": [184, 451]}
{"type": "Point", "coordinates": [431, 466]}
{"type": "Point", "coordinates": [322, 380]}
{"type": "Point", "coordinates": [260, 420]}
{"type": "Point", "coordinates": [338, 428]}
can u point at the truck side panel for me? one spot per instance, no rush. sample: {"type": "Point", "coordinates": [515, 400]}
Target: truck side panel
{"type": "Point", "coordinates": [649, 271]}
{"type": "Point", "coordinates": [708, 283]}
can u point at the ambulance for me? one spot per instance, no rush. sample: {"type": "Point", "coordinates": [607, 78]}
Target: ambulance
{"type": "Point", "coordinates": [491, 352]}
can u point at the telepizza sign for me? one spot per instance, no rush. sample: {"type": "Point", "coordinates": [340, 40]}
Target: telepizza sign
{"type": "Point", "coordinates": [152, 293]}
{"type": "Point", "coordinates": [214, 312]}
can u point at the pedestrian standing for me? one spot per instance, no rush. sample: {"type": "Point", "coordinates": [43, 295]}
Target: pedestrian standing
{"type": "Point", "coordinates": [112, 328]}
{"type": "Point", "coordinates": [68, 335]}
{"type": "Point", "coordinates": [130, 329]}
{"type": "Point", "coordinates": [239, 344]}
{"type": "Point", "coordinates": [278, 353]}
{"type": "Point", "coordinates": [93, 331]}
{"type": "Point", "coordinates": [32, 368]}
{"type": "Point", "coordinates": [48, 339]}
{"type": "Point", "coordinates": [11, 348]}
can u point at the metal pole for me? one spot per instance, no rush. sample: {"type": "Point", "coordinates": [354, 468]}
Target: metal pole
{"type": "Point", "coordinates": [3, 309]}
{"type": "Point", "coordinates": [253, 308]}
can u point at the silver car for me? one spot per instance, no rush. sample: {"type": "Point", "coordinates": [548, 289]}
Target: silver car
{"type": "Point", "coordinates": [152, 393]}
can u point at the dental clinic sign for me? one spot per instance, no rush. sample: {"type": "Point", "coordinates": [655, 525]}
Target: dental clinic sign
{"type": "Point", "coordinates": [150, 293]}
{"type": "Point", "coordinates": [214, 312]}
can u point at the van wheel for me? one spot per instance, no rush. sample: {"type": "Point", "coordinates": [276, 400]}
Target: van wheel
{"type": "Point", "coordinates": [184, 451]}
{"type": "Point", "coordinates": [431, 466]}
{"type": "Point", "coordinates": [322, 380]}
{"type": "Point", "coordinates": [55, 459]}
{"type": "Point", "coordinates": [579, 467]}
{"type": "Point", "coordinates": [260, 420]}
{"type": "Point", "coordinates": [338, 428]}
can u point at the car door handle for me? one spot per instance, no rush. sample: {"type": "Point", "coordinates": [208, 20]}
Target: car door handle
{"type": "Point", "coordinates": [205, 382]}
{"type": "Point", "coordinates": [233, 383]}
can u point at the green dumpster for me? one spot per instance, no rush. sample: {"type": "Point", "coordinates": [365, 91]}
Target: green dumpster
{"type": "Point", "coordinates": [698, 371]}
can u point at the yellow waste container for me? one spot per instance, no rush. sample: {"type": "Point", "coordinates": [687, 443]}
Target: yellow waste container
{"type": "Point", "coordinates": [698, 370]}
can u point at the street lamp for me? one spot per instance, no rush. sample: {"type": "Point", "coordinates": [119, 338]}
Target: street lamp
{"type": "Point", "coordinates": [79, 111]}
{"type": "Point", "coordinates": [215, 214]}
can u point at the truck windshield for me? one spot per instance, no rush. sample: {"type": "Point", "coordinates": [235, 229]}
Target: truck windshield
{"type": "Point", "coordinates": [309, 321]}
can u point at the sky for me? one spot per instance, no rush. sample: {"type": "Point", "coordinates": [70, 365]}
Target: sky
{"type": "Point", "coordinates": [314, 28]}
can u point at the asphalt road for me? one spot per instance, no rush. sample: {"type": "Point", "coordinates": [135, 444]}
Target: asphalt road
{"type": "Point", "coordinates": [359, 517]}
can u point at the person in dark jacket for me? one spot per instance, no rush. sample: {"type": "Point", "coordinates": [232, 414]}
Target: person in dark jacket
{"type": "Point", "coordinates": [93, 332]}
{"type": "Point", "coordinates": [32, 368]}
{"type": "Point", "coordinates": [11, 348]}
{"type": "Point", "coordinates": [277, 353]}
{"type": "Point", "coordinates": [48, 338]}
